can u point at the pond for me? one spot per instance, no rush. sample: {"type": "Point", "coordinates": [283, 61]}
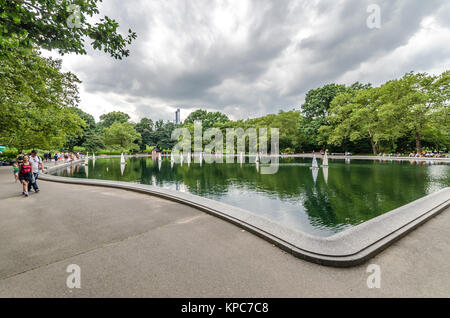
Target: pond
{"type": "Point", "coordinates": [319, 202]}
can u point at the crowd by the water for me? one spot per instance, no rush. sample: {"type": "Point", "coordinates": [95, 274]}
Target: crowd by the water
{"type": "Point", "coordinates": [27, 167]}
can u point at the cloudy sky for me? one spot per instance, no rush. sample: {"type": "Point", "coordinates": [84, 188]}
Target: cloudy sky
{"type": "Point", "coordinates": [247, 58]}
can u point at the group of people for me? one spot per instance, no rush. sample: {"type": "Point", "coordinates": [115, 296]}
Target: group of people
{"type": "Point", "coordinates": [26, 170]}
{"type": "Point", "coordinates": [425, 154]}
{"type": "Point", "coordinates": [60, 156]}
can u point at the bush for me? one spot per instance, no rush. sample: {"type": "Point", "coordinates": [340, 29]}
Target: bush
{"type": "Point", "coordinates": [109, 152]}
{"type": "Point", "coordinates": [79, 149]}
{"type": "Point", "coordinates": [148, 149]}
{"type": "Point", "coordinates": [9, 154]}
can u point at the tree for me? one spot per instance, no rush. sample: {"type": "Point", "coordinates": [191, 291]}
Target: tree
{"type": "Point", "coordinates": [36, 99]}
{"type": "Point", "coordinates": [146, 124]}
{"type": "Point", "coordinates": [61, 25]}
{"type": "Point", "coordinates": [122, 136]}
{"type": "Point", "coordinates": [79, 139]}
{"type": "Point", "coordinates": [106, 120]}
{"type": "Point", "coordinates": [417, 104]}
{"type": "Point", "coordinates": [208, 119]}
{"type": "Point", "coordinates": [353, 116]}
{"type": "Point", "coordinates": [145, 128]}
{"type": "Point", "coordinates": [317, 101]}
{"type": "Point", "coordinates": [316, 107]}
{"type": "Point", "coordinates": [161, 136]}
{"type": "Point", "coordinates": [93, 143]}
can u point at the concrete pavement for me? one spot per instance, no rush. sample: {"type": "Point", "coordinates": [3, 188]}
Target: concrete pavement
{"type": "Point", "coordinates": [134, 245]}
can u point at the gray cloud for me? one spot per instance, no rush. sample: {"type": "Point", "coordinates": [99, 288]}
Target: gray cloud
{"type": "Point", "coordinates": [249, 58]}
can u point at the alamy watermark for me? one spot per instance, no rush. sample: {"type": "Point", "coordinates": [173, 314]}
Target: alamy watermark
{"type": "Point", "coordinates": [374, 279]}
{"type": "Point", "coordinates": [209, 146]}
{"type": "Point", "coordinates": [74, 279]}
{"type": "Point", "coordinates": [374, 19]}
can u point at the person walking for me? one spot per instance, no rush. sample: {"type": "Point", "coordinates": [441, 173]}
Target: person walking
{"type": "Point", "coordinates": [25, 174]}
{"type": "Point", "coordinates": [16, 170]}
{"type": "Point", "coordinates": [36, 163]}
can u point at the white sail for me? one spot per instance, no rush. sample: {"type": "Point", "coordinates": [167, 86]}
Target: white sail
{"type": "Point", "coordinates": [315, 173]}
{"type": "Point", "coordinates": [159, 164]}
{"type": "Point", "coordinates": [325, 173]}
{"type": "Point", "coordinates": [93, 156]}
{"type": "Point", "coordinates": [325, 160]}
{"type": "Point", "coordinates": [122, 169]}
{"type": "Point", "coordinates": [314, 162]}
{"type": "Point", "coordinates": [86, 159]}
{"type": "Point", "coordinates": [122, 159]}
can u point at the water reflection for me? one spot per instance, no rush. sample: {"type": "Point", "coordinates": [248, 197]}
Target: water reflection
{"type": "Point", "coordinates": [325, 174]}
{"type": "Point", "coordinates": [320, 202]}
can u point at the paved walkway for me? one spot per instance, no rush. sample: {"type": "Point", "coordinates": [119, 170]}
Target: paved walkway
{"type": "Point", "coordinates": [134, 245]}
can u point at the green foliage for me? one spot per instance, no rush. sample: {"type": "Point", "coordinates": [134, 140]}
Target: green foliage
{"type": "Point", "coordinates": [122, 136]}
{"type": "Point", "coordinates": [38, 101]}
{"type": "Point", "coordinates": [208, 119]}
{"type": "Point", "coordinates": [54, 24]}
{"type": "Point", "coordinates": [106, 120]}
{"type": "Point", "coordinates": [145, 128]}
{"type": "Point", "coordinates": [286, 122]}
{"type": "Point", "coordinates": [93, 142]}
{"type": "Point", "coordinates": [316, 108]}
{"type": "Point", "coordinates": [108, 152]}
{"type": "Point", "coordinates": [161, 135]}
{"type": "Point", "coordinates": [317, 101]}
{"type": "Point", "coordinates": [9, 154]}
{"type": "Point", "coordinates": [35, 101]}
{"type": "Point", "coordinates": [78, 139]}
{"type": "Point", "coordinates": [413, 107]}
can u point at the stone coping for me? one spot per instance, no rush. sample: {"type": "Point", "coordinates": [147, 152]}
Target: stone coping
{"type": "Point", "coordinates": [347, 248]}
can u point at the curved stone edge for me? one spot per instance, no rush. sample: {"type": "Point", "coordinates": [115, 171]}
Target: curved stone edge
{"type": "Point", "coordinates": [347, 248]}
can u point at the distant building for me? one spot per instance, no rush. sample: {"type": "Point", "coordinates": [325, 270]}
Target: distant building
{"type": "Point", "coordinates": [177, 117]}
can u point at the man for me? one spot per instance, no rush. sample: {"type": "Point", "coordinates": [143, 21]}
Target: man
{"type": "Point", "coordinates": [36, 164]}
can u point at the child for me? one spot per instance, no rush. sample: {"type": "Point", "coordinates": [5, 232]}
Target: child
{"type": "Point", "coordinates": [25, 174]}
{"type": "Point", "coordinates": [16, 170]}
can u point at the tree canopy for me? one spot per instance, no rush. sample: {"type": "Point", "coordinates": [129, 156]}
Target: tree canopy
{"type": "Point", "coordinates": [61, 24]}
{"type": "Point", "coordinates": [208, 119]}
{"type": "Point", "coordinates": [415, 107]}
{"type": "Point", "coordinates": [36, 100]}
{"type": "Point", "coordinates": [121, 136]}
{"type": "Point", "coordinates": [106, 120]}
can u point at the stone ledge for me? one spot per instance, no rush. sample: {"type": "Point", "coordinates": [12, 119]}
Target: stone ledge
{"type": "Point", "coordinates": [347, 248]}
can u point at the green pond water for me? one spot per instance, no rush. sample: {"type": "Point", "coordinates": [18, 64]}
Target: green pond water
{"type": "Point", "coordinates": [321, 203]}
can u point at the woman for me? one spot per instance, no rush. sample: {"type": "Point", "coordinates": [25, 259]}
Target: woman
{"type": "Point", "coordinates": [25, 174]}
